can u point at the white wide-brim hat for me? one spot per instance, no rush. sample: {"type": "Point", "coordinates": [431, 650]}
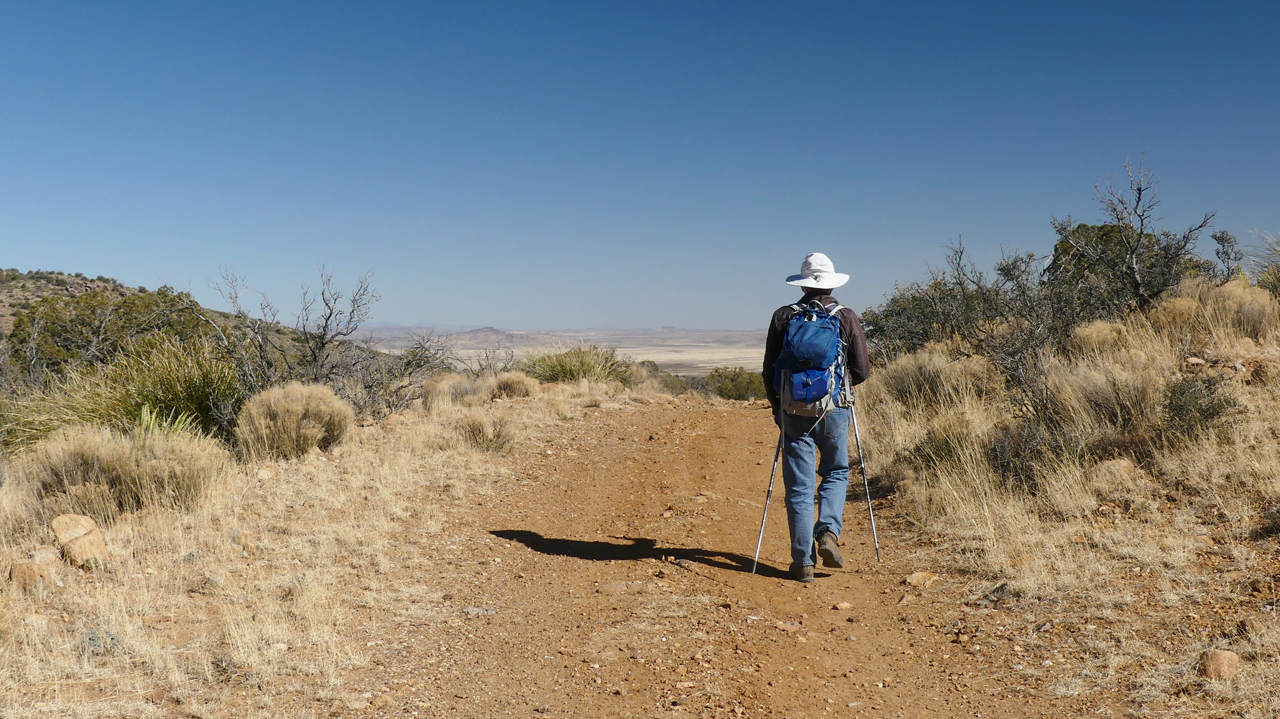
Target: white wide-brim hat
{"type": "Point", "coordinates": [817, 272]}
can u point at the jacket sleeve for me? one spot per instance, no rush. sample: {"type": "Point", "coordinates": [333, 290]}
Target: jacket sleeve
{"type": "Point", "coordinates": [772, 348]}
{"type": "Point", "coordinates": [859, 363]}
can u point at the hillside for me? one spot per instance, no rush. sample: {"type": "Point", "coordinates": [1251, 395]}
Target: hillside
{"type": "Point", "coordinates": [682, 351]}
{"type": "Point", "coordinates": [19, 289]}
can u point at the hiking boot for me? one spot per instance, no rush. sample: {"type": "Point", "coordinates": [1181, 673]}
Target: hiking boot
{"type": "Point", "coordinates": [802, 573]}
{"type": "Point", "coordinates": [829, 550]}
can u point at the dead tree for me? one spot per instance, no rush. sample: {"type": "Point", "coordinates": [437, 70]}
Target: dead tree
{"type": "Point", "coordinates": [252, 343]}
{"type": "Point", "coordinates": [377, 382]}
{"type": "Point", "coordinates": [328, 318]}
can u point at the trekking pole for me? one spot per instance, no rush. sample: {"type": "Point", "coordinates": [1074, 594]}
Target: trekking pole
{"type": "Point", "coordinates": [769, 495]}
{"type": "Point", "coordinates": [866, 487]}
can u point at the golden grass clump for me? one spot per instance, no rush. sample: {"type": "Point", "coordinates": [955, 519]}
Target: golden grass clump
{"type": "Point", "coordinates": [1175, 315]}
{"type": "Point", "coordinates": [102, 473]}
{"type": "Point", "coordinates": [1200, 313]}
{"type": "Point", "coordinates": [915, 379]}
{"type": "Point", "coordinates": [1251, 311]}
{"type": "Point", "coordinates": [288, 421]}
{"type": "Point", "coordinates": [929, 379]}
{"type": "Point", "coordinates": [454, 390]}
{"type": "Point", "coordinates": [492, 434]}
{"type": "Point", "coordinates": [510, 385]}
{"type": "Point", "coordinates": [1099, 336]}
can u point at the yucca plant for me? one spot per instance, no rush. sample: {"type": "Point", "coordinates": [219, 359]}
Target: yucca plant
{"type": "Point", "coordinates": [171, 381]}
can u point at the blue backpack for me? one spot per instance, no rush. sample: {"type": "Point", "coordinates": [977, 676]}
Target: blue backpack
{"type": "Point", "coordinates": [809, 374]}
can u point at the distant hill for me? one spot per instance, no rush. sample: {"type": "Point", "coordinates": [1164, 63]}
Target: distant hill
{"type": "Point", "coordinates": [18, 290]}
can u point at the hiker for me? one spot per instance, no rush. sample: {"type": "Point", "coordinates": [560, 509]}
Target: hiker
{"type": "Point", "coordinates": [814, 426]}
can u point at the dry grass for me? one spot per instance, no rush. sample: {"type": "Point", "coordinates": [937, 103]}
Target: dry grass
{"type": "Point", "coordinates": [1097, 337]}
{"type": "Point", "coordinates": [487, 434]}
{"type": "Point", "coordinates": [512, 385]}
{"type": "Point", "coordinates": [287, 422]}
{"type": "Point", "coordinates": [102, 473]}
{"type": "Point", "coordinates": [263, 578]}
{"type": "Point", "coordinates": [1198, 315]}
{"type": "Point", "coordinates": [445, 393]}
{"type": "Point", "coordinates": [1145, 475]}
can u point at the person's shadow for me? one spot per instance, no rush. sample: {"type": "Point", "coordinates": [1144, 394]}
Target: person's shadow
{"type": "Point", "coordinates": [635, 548]}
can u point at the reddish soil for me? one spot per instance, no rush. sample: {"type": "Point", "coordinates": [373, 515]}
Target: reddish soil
{"type": "Point", "coordinates": [611, 577]}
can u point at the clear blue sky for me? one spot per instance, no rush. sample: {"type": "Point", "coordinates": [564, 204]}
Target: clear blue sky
{"type": "Point", "coordinates": [638, 164]}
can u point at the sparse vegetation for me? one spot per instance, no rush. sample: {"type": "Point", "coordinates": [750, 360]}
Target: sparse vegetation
{"type": "Point", "coordinates": [1067, 429]}
{"type": "Point", "coordinates": [1058, 432]}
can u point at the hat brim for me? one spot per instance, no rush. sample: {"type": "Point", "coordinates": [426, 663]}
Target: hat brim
{"type": "Point", "coordinates": [825, 282]}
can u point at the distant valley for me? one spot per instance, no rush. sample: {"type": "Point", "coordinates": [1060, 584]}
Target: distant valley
{"type": "Point", "coordinates": [681, 351]}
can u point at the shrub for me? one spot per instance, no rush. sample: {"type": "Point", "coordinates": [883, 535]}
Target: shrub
{"type": "Point", "coordinates": [589, 362]}
{"type": "Point", "coordinates": [736, 383]}
{"type": "Point", "coordinates": [658, 380]}
{"type": "Point", "coordinates": [288, 421]}
{"type": "Point", "coordinates": [514, 384]}
{"type": "Point", "coordinates": [1195, 402]}
{"type": "Point", "coordinates": [103, 473]}
{"type": "Point", "coordinates": [493, 435]}
{"type": "Point", "coordinates": [160, 375]}
{"type": "Point", "coordinates": [95, 326]}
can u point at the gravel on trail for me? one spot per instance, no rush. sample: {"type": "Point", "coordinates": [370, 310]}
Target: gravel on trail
{"type": "Point", "coordinates": [610, 576]}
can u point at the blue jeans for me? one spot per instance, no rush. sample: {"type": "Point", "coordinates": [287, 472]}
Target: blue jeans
{"type": "Point", "coordinates": [803, 438]}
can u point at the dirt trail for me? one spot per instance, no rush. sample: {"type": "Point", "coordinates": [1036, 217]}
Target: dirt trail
{"type": "Point", "coordinates": [611, 578]}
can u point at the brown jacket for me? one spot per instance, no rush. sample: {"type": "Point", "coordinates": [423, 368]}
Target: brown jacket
{"type": "Point", "coordinates": [857, 362]}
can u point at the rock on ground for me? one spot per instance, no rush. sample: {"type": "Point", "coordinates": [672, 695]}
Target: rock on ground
{"type": "Point", "coordinates": [921, 579]}
{"type": "Point", "coordinates": [29, 577]}
{"type": "Point", "coordinates": [1220, 664]}
{"type": "Point", "coordinates": [81, 541]}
